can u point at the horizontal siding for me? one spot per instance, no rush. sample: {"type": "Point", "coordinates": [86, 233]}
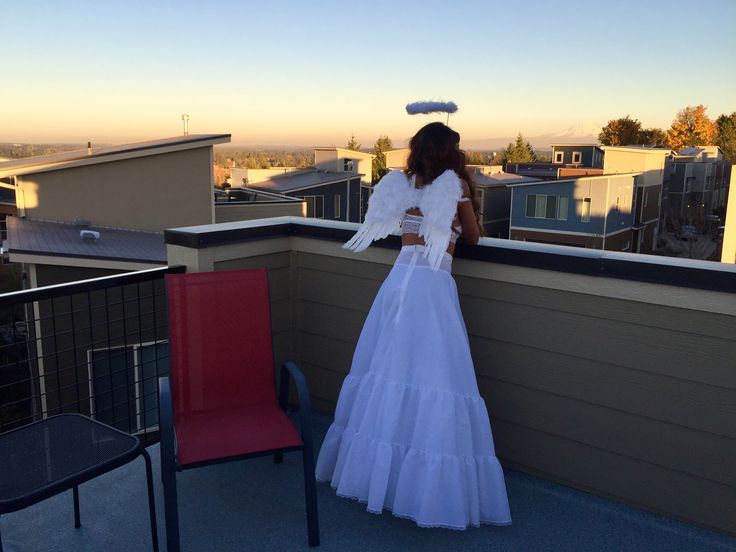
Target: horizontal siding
{"type": "Point", "coordinates": [688, 404]}
{"type": "Point", "coordinates": [631, 312]}
{"type": "Point", "coordinates": [659, 443]}
{"type": "Point", "coordinates": [614, 475]}
{"type": "Point", "coordinates": [683, 355]}
{"type": "Point", "coordinates": [623, 398]}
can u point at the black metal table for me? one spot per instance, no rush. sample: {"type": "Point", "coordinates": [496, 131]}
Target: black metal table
{"type": "Point", "coordinates": [59, 453]}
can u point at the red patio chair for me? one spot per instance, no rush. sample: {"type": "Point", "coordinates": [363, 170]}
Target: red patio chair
{"type": "Point", "coordinates": [221, 404]}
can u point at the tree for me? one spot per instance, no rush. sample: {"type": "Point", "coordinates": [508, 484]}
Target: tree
{"type": "Point", "coordinates": [726, 136]}
{"type": "Point", "coordinates": [620, 132]}
{"type": "Point", "coordinates": [691, 127]}
{"type": "Point", "coordinates": [652, 137]}
{"type": "Point", "coordinates": [353, 143]}
{"type": "Point", "coordinates": [382, 145]}
{"type": "Point", "coordinates": [520, 151]}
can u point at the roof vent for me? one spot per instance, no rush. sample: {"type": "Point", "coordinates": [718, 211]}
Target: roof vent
{"type": "Point", "coordinates": [89, 235]}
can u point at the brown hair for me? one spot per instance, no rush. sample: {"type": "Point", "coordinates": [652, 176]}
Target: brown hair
{"type": "Point", "coordinates": [433, 150]}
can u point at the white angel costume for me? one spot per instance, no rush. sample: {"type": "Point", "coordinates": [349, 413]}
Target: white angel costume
{"type": "Point", "coordinates": [411, 433]}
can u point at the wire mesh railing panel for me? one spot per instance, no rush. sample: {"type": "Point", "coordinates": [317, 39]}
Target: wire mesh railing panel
{"type": "Point", "coordinates": [95, 347]}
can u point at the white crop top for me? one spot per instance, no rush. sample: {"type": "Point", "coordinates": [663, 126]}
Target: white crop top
{"type": "Point", "coordinates": [410, 224]}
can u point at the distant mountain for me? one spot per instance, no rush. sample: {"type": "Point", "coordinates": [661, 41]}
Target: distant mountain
{"type": "Point", "coordinates": [584, 133]}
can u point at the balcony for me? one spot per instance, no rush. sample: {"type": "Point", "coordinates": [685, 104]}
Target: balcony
{"type": "Point", "coordinates": [609, 379]}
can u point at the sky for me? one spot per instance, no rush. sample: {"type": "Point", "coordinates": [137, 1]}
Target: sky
{"type": "Point", "coordinates": [314, 73]}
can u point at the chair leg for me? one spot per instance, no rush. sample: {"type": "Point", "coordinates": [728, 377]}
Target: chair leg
{"type": "Point", "coordinates": [151, 499]}
{"type": "Point", "coordinates": [310, 493]}
{"type": "Point", "coordinates": [77, 522]}
{"type": "Point", "coordinates": [278, 457]}
{"type": "Point", "coordinates": [171, 508]}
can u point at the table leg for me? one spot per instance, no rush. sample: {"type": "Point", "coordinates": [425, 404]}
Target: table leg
{"type": "Point", "coordinates": [151, 499]}
{"type": "Point", "coordinates": [77, 523]}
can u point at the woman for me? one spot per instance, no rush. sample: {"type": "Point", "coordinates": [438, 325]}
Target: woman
{"type": "Point", "coordinates": [411, 433]}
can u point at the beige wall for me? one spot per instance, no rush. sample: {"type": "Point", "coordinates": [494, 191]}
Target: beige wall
{"type": "Point", "coordinates": [332, 160]}
{"type": "Point", "coordinates": [154, 192]}
{"type": "Point", "coordinates": [257, 175]}
{"type": "Point", "coordinates": [396, 159]}
{"type": "Point", "coordinates": [258, 210]}
{"type": "Point", "coordinates": [729, 235]}
{"type": "Point", "coordinates": [636, 160]}
{"type": "Point", "coordinates": [576, 392]}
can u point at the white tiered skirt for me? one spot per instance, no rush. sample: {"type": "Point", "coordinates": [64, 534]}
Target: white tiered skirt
{"type": "Point", "coordinates": [411, 433]}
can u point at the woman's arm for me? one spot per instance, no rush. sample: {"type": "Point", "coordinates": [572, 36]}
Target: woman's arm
{"type": "Point", "coordinates": [466, 214]}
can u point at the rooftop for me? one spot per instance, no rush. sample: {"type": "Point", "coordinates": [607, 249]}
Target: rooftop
{"type": "Point", "coordinates": [501, 179]}
{"type": "Point", "coordinates": [68, 159]}
{"type": "Point", "coordinates": [291, 182]}
{"type": "Point", "coordinates": [259, 505]}
{"type": "Point", "coordinates": [59, 239]}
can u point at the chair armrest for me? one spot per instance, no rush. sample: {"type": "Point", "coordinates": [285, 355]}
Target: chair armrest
{"type": "Point", "coordinates": [289, 371]}
{"type": "Point", "coordinates": [166, 420]}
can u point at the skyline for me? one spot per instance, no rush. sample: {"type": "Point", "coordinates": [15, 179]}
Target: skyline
{"type": "Point", "coordinates": [314, 74]}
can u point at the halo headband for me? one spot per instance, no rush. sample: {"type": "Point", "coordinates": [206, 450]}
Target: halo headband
{"type": "Point", "coordinates": [415, 108]}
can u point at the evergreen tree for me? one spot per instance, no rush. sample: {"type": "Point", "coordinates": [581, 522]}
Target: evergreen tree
{"type": "Point", "coordinates": [691, 127]}
{"type": "Point", "coordinates": [382, 145]}
{"type": "Point", "coordinates": [353, 143]}
{"type": "Point", "coordinates": [520, 151]}
{"type": "Point", "coordinates": [726, 136]}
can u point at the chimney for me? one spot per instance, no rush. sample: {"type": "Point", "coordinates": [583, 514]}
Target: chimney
{"type": "Point", "coordinates": [89, 148]}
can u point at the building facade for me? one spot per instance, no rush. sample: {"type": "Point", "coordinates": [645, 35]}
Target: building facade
{"type": "Point", "coordinates": [594, 212]}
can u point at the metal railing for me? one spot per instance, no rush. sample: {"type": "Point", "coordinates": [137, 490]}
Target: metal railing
{"type": "Point", "coordinates": [94, 347]}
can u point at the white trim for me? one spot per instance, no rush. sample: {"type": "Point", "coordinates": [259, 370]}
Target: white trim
{"type": "Point", "coordinates": [347, 201]}
{"type": "Point", "coordinates": [102, 157]}
{"type": "Point", "coordinates": [38, 338]}
{"type": "Point", "coordinates": [580, 157]}
{"type": "Point", "coordinates": [255, 186]}
{"type": "Point", "coordinates": [60, 260]}
{"type": "Point", "coordinates": [553, 231]}
{"type": "Point", "coordinates": [627, 229]}
{"type": "Point", "coordinates": [562, 160]}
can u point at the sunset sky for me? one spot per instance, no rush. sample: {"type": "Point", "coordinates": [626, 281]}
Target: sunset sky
{"type": "Point", "coordinates": [307, 73]}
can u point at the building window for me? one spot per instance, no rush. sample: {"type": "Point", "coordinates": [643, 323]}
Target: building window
{"type": "Point", "coordinates": [337, 205]}
{"type": "Point", "coordinates": [585, 212]}
{"type": "Point", "coordinates": [559, 157]}
{"type": "Point", "coordinates": [347, 165]}
{"type": "Point", "coordinates": [562, 208]}
{"type": "Point", "coordinates": [315, 206]}
{"type": "Point", "coordinates": [123, 384]}
{"type": "Point", "coordinates": [577, 157]}
{"type": "Point", "coordinates": [546, 206]}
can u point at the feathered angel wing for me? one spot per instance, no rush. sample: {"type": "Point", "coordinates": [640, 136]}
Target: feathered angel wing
{"type": "Point", "coordinates": [391, 197]}
{"type": "Point", "coordinates": [439, 206]}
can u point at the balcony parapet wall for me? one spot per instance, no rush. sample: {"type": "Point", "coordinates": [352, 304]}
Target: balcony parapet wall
{"type": "Point", "coordinates": [610, 372]}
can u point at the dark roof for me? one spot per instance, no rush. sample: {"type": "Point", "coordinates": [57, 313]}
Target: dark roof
{"type": "Point", "coordinates": [501, 179]}
{"type": "Point", "coordinates": [38, 237]}
{"type": "Point", "coordinates": [103, 154]}
{"type": "Point", "coordinates": [289, 182]}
